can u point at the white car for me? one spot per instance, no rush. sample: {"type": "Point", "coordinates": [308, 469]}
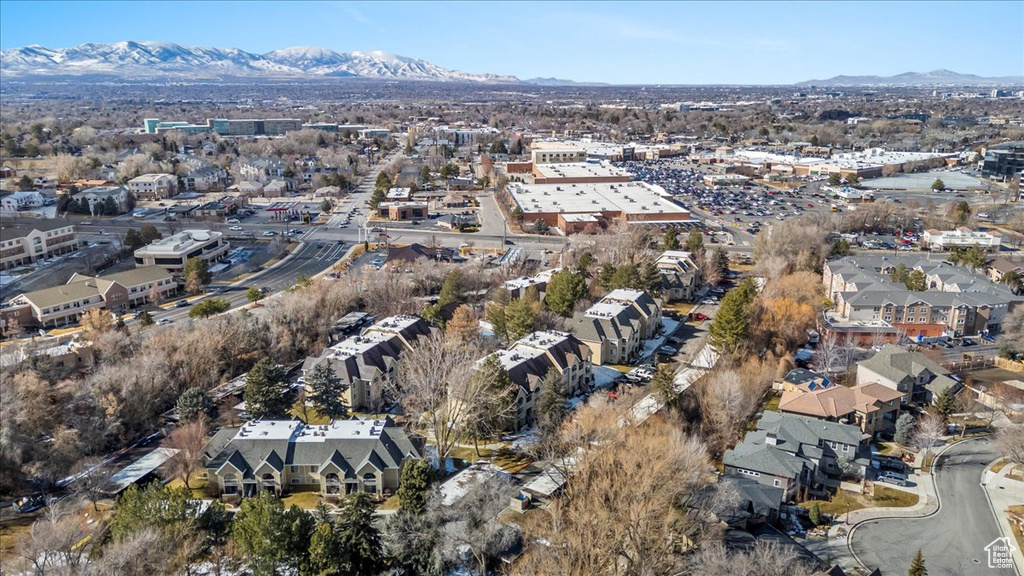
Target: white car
{"type": "Point", "coordinates": [709, 301]}
{"type": "Point", "coordinates": [139, 215]}
{"type": "Point", "coordinates": [270, 233]}
{"type": "Point", "coordinates": [236, 228]}
{"type": "Point", "coordinates": [233, 221]}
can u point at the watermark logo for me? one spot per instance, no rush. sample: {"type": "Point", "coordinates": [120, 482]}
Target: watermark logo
{"type": "Point", "coordinates": [1000, 553]}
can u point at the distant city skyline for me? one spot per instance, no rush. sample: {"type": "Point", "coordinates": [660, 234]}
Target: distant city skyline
{"type": "Point", "coordinates": [618, 43]}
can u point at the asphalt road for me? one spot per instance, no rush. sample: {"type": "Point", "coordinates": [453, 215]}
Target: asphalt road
{"type": "Point", "coordinates": [953, 540]}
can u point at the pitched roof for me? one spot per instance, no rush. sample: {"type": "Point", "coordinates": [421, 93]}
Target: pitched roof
{"type": "Point", "coordinates": [837, 401]}
{"type": "Point", "coordinates": [895, 363]}
{"type": "Point", "coordinates": [11, 228]}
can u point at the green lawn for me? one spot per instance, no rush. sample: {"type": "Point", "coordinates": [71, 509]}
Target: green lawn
{"type": "Point", "coordinates": [884, 497]}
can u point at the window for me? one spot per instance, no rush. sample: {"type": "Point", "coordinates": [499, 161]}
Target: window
{"type": "Point", "coordinates": [777, 483]}
{"type": "Point", "coordinates": [295, 480]}
{"type": "Point", "coordinates": [295, 469]}
{"type": "Point", "coordinates": [846, 447]}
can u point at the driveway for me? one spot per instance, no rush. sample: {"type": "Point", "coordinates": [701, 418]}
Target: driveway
{"type": "Point", "coordinates": [953, 540]}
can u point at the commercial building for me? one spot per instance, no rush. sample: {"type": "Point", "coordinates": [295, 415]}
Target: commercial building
{"type": "Point", "coordinates": [571, 207]}
{"type": "Point", "coordinates": [25, 240]}
{"type": "Point", "coordinates": [172, 252]}
{"type": "Point", "coordinates": [960, 238]}
{"type": "Point", "coordinates": [372, 133]}
{"type": "Point", "coordinates": [869, 304]}
{"type": "Point", "coordinates": [62, 305]}
{"type": "Point", "coordinates": [227, 127]}
{"type": "Point", "coordinates": [335, 459]}
{"type": "Point", "coordinates": [403, 210]}
{"type": "Point", "coordinates": [578, 173]}
{"type": "Point", "coordinates": [153, 186]}
{"type": "Point", "coordinates": [1006, 160]}
{"type": "Point", "coordinates": [615, 327]}
{"type": "Point", "coordinates": [529, 360]}
{"type": "Point", "coordinates": [367, 363]}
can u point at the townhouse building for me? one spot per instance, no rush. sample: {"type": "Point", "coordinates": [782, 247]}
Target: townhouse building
{"type": "Point", "coordinates": [97, 195]}
{"type": "Point", "coordinates": [913, 375]}
{"type": "Point", "coordinates": [23, 241]}
{"type": "Point", "coordinates": [368, 362]}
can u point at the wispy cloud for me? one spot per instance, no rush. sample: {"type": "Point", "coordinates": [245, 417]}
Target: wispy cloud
{"type": "Point", "coordinates": [358, 16]}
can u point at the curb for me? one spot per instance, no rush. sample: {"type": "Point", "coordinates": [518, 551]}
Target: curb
{"type": "Point", "coordinates": [265, 270]}
{"type": "Point", "coordinates": [992, 508]}
{"type": "Point", "coordinates": [938, 507]}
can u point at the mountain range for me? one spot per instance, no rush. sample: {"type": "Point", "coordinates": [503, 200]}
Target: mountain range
{"type": "Point", "coordinates": [169, 61]}
{"type": "Point", "coordinates": [165, 60]}
{"type": "Point", "coordinates": [933, 78]}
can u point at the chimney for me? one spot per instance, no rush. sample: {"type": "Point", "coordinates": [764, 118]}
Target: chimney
{"type": "Point", "coordinates": [770, 439]}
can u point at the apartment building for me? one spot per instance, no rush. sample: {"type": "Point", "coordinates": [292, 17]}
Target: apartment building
{"type": "Point", "coordinates": [335, 459]}
{"type": "Point", "coordinates": [97, 195]}
{"type": "Point", "coordinates": [912, 375]}
{"type": "Point", "coordinates": [174, 251]}
{"type": "Point", "coordinates": [25, 240]}
{"type": "Point", "coordinates": [23, 200]}
{"type": "Point", "coordinates": [118, 292]}
{"type": "Point", "coordinates": [153, 186]}
{"type": "Point", "coordinates": [956, 302]}
{"type": "Point", "coordinates": [616, 327]}
{"type": "Point", "coordinates": [529, 360]}
{"type": "Point", "coordinates": [367, 363]}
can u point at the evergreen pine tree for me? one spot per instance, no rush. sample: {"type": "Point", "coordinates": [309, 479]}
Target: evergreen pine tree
{"type": "Point", "coordinates": [326, 391]}
{"type": "Point", "coordinates": [917, 565]}
{"type": "Point", "coordinates": [264, 395]}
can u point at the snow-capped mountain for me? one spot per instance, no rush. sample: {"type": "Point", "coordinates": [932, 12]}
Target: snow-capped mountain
{"type": "Point", "coordinates": [148, 60]}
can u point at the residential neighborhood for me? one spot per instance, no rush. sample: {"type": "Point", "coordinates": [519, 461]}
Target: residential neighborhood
{"type": "Point", "coordinates": [357, 290]}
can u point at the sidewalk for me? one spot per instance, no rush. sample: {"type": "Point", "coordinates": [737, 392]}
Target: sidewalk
{"type": "Point", "coordinates": [1003, 492]}
{"type": "Point", "coordinates": [836, 546]}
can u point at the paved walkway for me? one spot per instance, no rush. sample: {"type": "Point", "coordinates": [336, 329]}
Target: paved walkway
{"type": "Point", "coordinates": [1002, 493]}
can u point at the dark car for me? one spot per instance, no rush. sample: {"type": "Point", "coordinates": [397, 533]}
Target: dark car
{"type": "Point", "coordinates": [967, 342]}
{"type": "Point", "coordinates": [28, 504]}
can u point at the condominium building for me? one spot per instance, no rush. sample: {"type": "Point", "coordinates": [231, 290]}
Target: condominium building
{"type": "Point", "coordinates": [25, 240]}
{"type": "Point", "coordinates": [678, 275]}
{"type": "Point", "coordinates": [529, 361]}
{"type": "Point", "coordinates": [615, 327]}
{"type": "Point", "coordinates": [335, 459]}
{"type": "Point", "coordinates": [172, 252]}
{"type": "Point", "coordinates": [956, 301]}
{"type": "Point", "coordinates": [97, 195]}
{"type": "Point", "coordinates": [153, 186]}
{"type": "Point", "coordinates": [367, 363]}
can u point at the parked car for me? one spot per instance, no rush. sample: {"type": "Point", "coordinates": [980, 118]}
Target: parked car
{"type": "Point", "coordinates": [968, 342]}
{"type": "Point", "coordinates": [891, 465]}
{"type": "Point", "coordinates": [945, 344]}
{"type": "Point", "coordinates": [894, 478]}
{"type": "Point", "coordinates": [668, 350]}
{"type": "Point", "coordinates": [28, 504]}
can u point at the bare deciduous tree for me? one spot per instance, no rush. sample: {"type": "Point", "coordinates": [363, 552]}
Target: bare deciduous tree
{"type": "Point", "coordinates": [930, 431]}
{"type": "Point", "coordinates": [189, 440]}
{"type": "Point", "coordinates": [1010, 441]}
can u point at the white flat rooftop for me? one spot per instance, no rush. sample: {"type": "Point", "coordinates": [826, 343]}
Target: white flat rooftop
{"type": "Point", "coordinates": [631, 198]}
{"type": "Point", "coordinates": [579, 170]}
{"type": "Point", "coordinates": [180, 242]}
{"type": "Point", "coordinates": [294, 430]}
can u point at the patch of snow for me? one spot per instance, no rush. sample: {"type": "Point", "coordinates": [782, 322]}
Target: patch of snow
{"type": "Point", "coordinates": [605, 376]}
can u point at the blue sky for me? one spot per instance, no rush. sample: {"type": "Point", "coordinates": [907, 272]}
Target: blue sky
{"type": "Point", "coordinates": [625, 43]}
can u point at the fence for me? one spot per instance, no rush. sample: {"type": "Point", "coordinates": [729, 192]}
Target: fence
{"type": "Point", "coordinates": [970, 364]}
{"type": "Point", "coordinates": [1011, 365]}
